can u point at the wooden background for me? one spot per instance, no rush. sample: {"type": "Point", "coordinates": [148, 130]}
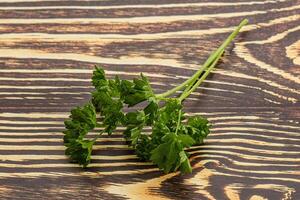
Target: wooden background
{"type": "Point", "coordinates": [47, 52]}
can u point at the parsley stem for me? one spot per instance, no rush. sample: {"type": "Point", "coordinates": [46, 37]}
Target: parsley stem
{"type": "Point", "coordinates": [190, 82]}
{"type": "Point", "coordinates": [164, 98]}
{"type": "Point", "coordinates": [178, 121]}
{"type": "Point", "coordinates": [101, 132]}
{"type": "Point", "coordinates": [201, 79]}
{"type": "Point", "coordinates": [215, 55]}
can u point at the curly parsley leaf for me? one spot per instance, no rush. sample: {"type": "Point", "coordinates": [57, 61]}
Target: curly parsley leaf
{"type": "Point", "coordinates": [82, 120]}
{"type": "Point", "coordinates": [169, 155]}
{"type": "Point", "coordinates": [143, 147]}
{"type": "Point", "coordinates": [135, 122]}
{"type": "Point", "coordinates": [136, 91]}
{"type": "Point", "coordinates": [106, 99]}
{"type": "Point", "coordinates": [198, 128]}
{"type": "Point", "coordinates": [80, 151]}
{"type": "Point", "coordinates": [151, 111]}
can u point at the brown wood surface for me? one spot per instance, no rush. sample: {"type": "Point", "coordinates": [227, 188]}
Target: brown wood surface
{"type": "Point", "coordinates": [47, 53]}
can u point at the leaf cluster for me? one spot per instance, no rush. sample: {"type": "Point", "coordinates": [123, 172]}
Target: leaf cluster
{"type": "Point", "coordinates": [82, 120]}
{"type": "Point", "coordinates": [164, 145]}
{"type": "Point", "coordinates": [171, 131]}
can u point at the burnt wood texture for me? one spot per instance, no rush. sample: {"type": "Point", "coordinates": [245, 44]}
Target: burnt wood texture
{"type": "Point", "coordinates": [48, 50]}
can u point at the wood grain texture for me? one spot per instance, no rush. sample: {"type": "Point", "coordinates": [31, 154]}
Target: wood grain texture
{"type": "Point", "coordinates": [47, 52]}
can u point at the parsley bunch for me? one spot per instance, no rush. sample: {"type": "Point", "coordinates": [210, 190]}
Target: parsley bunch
{"type": "Point", "coordinates": [171, 130]}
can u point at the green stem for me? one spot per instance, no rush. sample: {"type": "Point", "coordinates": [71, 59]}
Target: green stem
{"type": "Point", "coordinates": [178, 87]}
{"type": "Point", "coordinates": [98, 135]}
{"type": "Point", "coordinates": [163, 98]}
{"type": "Point", "coordinates": [178, 121]}
{"type": "Point", "coordinates": [194, 78]}
{"type": "Point", "coordinates": [190, 82]}
{"type": "Point", "coordinates": [215, 54]}
{"type": "Point", "coordinates": [201, 79]}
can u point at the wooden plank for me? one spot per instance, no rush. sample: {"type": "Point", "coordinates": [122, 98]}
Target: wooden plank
{"type": "Point", "coordinates": [47, 53]}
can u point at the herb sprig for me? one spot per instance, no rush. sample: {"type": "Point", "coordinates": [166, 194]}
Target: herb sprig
{"type": "Point", "coordinates": [171, 130]}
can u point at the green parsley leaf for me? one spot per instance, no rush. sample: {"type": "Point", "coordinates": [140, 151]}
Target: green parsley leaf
{"type": "Point", "coordinates": [151, 111]}
{"type": "Point", "coordinates": [198, 128]}
{"type": "Point", "coordinates": [137, 91]}
{"type": "Point", "coordinates": [82, 120]}
{"type": "Point", "coordinates": [143, 147]}
{"type": "Point", "coordinates": [80, 151]}
{"type": "Point", "coordinates": [106, 99]}
{"type": "Point", "coordinates": [168, 155]}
